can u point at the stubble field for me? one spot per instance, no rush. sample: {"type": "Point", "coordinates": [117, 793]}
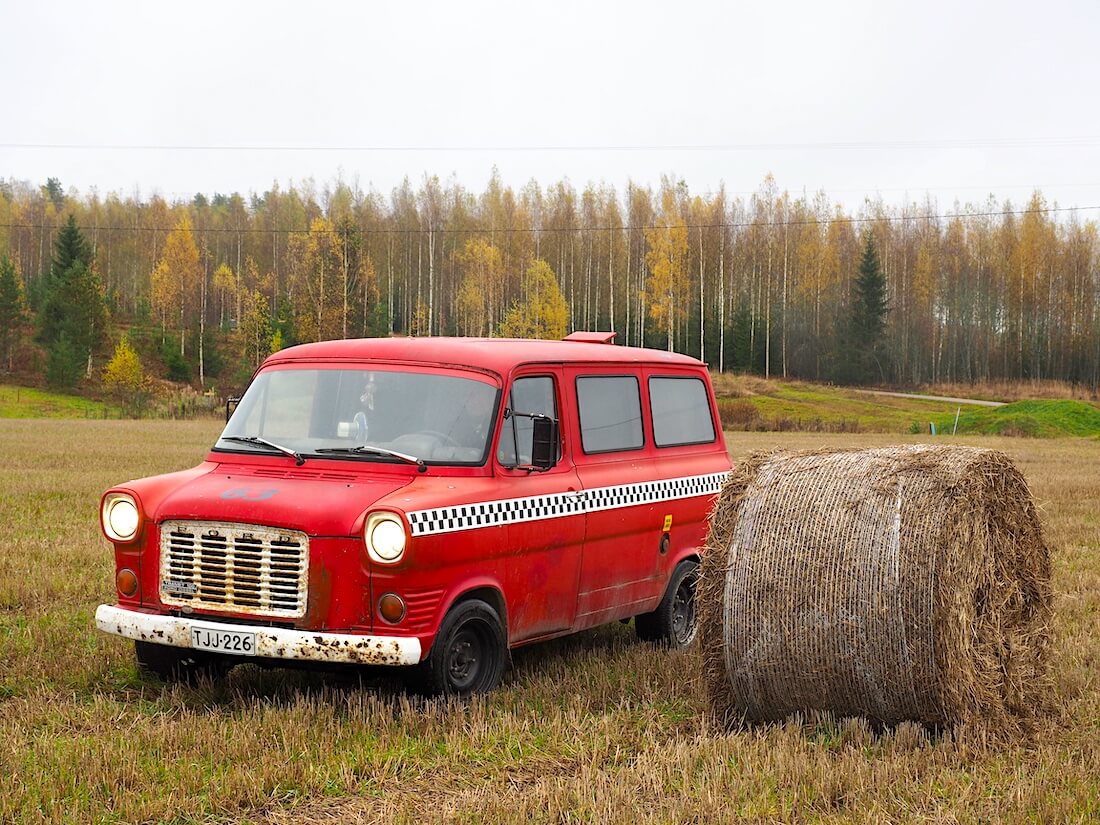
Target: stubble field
{"type": "Point", "coordinates": [597, 728]}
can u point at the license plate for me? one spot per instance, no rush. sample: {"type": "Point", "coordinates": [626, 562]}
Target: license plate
{"type": "Point", "coordinates": [224, 641]}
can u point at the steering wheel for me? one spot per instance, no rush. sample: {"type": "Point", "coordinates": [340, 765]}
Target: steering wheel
{"type": "Point", "coordinates": [443, 438]}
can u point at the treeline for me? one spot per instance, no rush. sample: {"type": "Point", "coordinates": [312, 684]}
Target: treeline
{"type": "Point", "coordinates": [765, 283]}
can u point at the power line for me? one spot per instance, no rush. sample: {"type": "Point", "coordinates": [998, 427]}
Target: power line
{"type": "Point", "coordinates": [623, 228]}
{"type": "Point", "coordinates": [935, 143]}
{"type": "Point", "coordinates": [992, 189]}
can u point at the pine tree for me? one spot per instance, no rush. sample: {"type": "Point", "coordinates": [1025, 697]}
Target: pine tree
{"type": "Point", "coordinates": [70, 247]}
{"type": "Point", "coordinates": [54, 192]}
{"type": "Point", "coordinates": [12, 312]}
{"type": "Point", "coordinates": [865, 356]}
{"type": "Point", "coordinates": [283, 322]}
{"type": "Point", "coordinates": [73, 317]}
{"type": "Point", "coordinates": [742, 355]}
{"type": "Point", "coordinates": [63, 363]}
{"type": "Point", "coordinates": [378, 323]}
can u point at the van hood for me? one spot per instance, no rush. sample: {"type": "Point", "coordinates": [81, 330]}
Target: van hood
{"type": "Point", "coordinates": [317, 503]}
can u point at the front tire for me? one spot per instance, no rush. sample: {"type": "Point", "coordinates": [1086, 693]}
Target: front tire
{"type": "Point", "coordinates": [180, 664]}
{"type": "Point", "coordinates": [673, 623]}
{"type": "Point", "coordinates": [468, 655]}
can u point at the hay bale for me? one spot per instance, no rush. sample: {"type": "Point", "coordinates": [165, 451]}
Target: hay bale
{"type": "Point", "coordinates": [904, 583]}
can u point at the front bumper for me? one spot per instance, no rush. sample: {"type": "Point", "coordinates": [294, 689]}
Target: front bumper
{"type": "Point", "coordinates": [271, 642]}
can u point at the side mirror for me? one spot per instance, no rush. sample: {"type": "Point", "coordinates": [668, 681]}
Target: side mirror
{"type": "Point", "coordinates": [544, 442]}
{"type": "Point", "coordinates": [230, 405]}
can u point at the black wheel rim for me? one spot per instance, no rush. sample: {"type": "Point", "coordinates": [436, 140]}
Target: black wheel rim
{"type": "Point", "coordinates": [683, 612]}
{"type": "Point", "coordinates": [468, 659]}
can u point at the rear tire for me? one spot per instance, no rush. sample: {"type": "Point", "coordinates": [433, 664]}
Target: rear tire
{"type": "Point", "coordinates": [673, 623]}
{"type": "Point", "coordinates": [468, 655]}
{"type": "Point", "coordinates": [180, 664]}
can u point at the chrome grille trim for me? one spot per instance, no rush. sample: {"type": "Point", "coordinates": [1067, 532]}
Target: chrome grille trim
{"type": "Point", "coordinates": [243, 568]}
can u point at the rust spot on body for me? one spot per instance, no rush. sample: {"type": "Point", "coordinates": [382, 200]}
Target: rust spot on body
{"type": "Point", "coordinates": [355, 652]}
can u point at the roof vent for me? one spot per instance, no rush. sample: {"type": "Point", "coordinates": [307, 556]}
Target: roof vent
{"type": "Point", "coordinates": [591, 337]}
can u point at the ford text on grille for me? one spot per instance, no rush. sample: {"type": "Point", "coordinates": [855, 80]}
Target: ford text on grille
{"type": "Point", "coordinates": [242, 567]}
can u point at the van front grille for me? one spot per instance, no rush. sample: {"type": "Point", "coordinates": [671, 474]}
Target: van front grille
{"type": "Point", "coordinates": [244, 568]}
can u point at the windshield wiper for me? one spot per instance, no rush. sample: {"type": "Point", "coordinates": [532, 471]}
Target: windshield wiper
{"type": "Point", "coordinates": [370, 448]}
{"type": "Point", "coordinates": [299, 459]}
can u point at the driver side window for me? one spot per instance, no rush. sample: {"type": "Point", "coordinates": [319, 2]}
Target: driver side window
{"type": "Point", "coordinates": [529, 397]}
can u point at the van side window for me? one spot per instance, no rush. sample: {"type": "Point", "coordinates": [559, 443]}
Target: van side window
{"type": "Point", "coordinates": [610, 413]}
{"type": "Point", "coordinates": [529, 396]}
{"type": "Point", "coordinates": [681, 412]}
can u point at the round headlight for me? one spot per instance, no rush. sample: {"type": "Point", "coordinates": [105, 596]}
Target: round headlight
{"type": "Point", "coordinates": [385, 538]}
{"type": "Point", "coordinates": [120, 517]}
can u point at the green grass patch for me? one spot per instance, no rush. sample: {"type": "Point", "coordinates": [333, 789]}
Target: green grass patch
{"type": "Point", "coordinates": [786, 406]}
{"type": "Point", "coordinates": [1038, 419]}
{"type": "Point", "coordinates": [27, 402]}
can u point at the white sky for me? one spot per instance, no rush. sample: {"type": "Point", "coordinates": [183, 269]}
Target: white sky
{"type": "Point", "coordinates": [957, 100]}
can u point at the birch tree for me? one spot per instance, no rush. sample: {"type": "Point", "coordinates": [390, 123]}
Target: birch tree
{"type": "Point", "coordinates": [175, 281]}
{"type": "Point", "coordinates": [667, 288]}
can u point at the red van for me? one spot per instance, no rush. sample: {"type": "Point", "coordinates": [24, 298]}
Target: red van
{"type": "Point", "coordinates": [428, 503]}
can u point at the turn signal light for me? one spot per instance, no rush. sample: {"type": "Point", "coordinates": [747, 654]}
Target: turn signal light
{"type": "Point", "coordinates": [127, 582]}
{"type": "Point", "coordinates": [391, 607]}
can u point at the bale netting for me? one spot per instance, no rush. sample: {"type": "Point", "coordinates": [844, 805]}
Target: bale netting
{"type": "Point", "coordinates": [903, 583]}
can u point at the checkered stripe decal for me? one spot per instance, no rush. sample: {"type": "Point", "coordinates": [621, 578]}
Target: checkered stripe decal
{"type": "Point", "coordinates": [532, 508]}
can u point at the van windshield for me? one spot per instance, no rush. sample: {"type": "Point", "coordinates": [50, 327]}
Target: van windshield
{"type": "Point", "coordinates": [366, 415]}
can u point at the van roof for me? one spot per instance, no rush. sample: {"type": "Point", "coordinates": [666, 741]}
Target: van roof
{"type": "Point", "coordinates": [500, 355]}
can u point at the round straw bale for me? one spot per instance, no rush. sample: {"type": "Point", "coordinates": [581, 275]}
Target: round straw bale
{"type": "Point", "coordinates": [904, 583]}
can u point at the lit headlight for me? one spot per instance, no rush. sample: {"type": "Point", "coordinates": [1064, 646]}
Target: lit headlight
{"type": "Point", "coordinates": [385, 537]}
{"type": "Point", "coordinates": [120, 516]}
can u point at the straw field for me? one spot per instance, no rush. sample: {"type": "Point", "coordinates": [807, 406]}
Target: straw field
{"type": "Point", "coordinates": [597, 728]}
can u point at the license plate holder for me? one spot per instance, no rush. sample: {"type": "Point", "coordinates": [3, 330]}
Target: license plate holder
{"type": "Point", "coordinates": [219, 640]}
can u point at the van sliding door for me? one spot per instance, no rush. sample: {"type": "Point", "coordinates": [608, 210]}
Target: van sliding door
{"type": "Point", "coordinates": [619, 565]}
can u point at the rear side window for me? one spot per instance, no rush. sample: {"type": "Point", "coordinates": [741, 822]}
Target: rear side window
{"type": "Point", "coordinates": [681, 412]}
{"type": "Point", "coordinates": [610, 413]}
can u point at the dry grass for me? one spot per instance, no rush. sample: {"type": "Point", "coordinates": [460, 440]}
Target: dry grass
{"type": "Point", "coordinates": [1014, 390]}
{"type": "Point", "coordinates": [744, 385]}
{"type": "Point", "coordinates": [597, 728]}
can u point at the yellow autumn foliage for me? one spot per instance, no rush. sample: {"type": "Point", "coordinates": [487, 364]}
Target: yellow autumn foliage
{"type": "Point", "coordinates": [544, 312]}
{"type": "Point", "coordinates": [126, 379]}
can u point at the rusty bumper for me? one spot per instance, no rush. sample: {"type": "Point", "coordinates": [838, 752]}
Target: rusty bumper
{"type": "Point", "coordinates": [271, 642]}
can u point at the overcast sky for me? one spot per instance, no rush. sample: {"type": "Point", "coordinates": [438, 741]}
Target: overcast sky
{"type": "Point", "coordinates": [898, 99]}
